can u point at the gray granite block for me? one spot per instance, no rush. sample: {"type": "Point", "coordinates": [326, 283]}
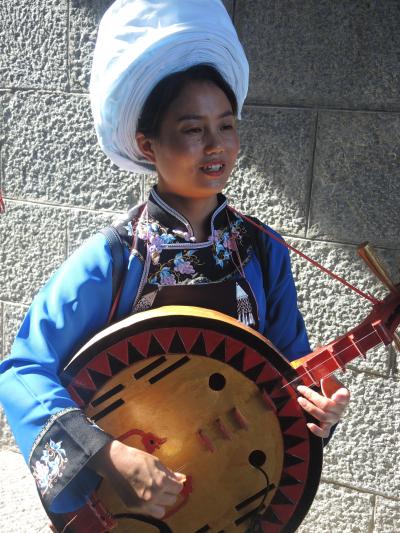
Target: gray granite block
{"type": "Point", "coordinates": [51, 154]}
{"type": "Point", "coordinates": [364, 451]}
{"type": "Point", "coordinates": [7, 441]}
{"type": "Point", "coordinates": [33, 44]}
{"type": "Point", "coordinates": [387, 514]}
{"type": "Point", "coordinates": [148, 182]}
{"type": "Point", "coordinates": [329, 308]}
{"type": "Point", "coordinates": [21, 510]}
{"type": "Point", "coordinates": [1, 331]}
{"type": "Point", "coordinates": [338, 508]}
{"type": "Point", "coordinates": [322, 53]}
{"type": "Point", "coordinates": [272, 177]}
{"type": "Point", "coordinates": [13, 316]}
{"type": "Point", "coordinates": [4, 100]}
{"type": "Point", "coordinates": [356, 187]}
{"type": "Point", "coordinates": [84, 21]}
{"type": "Point", "coordinates": [83, 224]}
{"type": "Point", "coordinates": [229, 6]}
{"type": "Point", "coordinates": [33, 245]}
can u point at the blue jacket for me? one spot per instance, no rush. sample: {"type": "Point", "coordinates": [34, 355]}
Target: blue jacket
{"type": "Point", "coordinates": [54, 436]}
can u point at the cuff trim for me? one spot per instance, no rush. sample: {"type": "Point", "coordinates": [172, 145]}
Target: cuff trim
{"type": "Point", "coordinates": [58, 460]}
{"type": "Point", "coordinates": [48, 425]}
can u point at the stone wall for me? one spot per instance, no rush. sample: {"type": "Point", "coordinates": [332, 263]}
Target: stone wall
{"type": "Point", "coordinates": [319, 162]}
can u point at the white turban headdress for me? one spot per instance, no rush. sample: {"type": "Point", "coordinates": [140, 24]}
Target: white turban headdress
{"type": "Point", "coordinates": [139, 43]}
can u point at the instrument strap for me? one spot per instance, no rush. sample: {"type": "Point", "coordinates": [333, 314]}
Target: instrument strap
{"type": "Point", "coordinates": [117, 252]}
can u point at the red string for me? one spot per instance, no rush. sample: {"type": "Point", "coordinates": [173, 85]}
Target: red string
{"type": "Point", "coordinates": [304, 256]}
{"type": "Point", "coordinates": [2, 204]}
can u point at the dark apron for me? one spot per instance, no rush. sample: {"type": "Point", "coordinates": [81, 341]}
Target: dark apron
{"type": "Point", "coordinates": [233, 297]}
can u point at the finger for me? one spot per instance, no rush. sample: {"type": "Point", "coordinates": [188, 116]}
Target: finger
{"type": "Point", "coordinates": [172, 486]}
{"type": "Point", "coordinates": [165, 499]}
{"type": "Point", "coordinates": [181, 477]}
{"type": "Point", "coordinates": [341, 396]}
{"type": "Point", "coordinates": [157, 496]}
{"type": "Point", "coordinates": [322, 432]}
{"type": "Point", "coordinates": [175, 476]}
{"type": "Point", "coordinates": [330, 417]}
{"type": "Point", "coordinates": [316, 398]}
{"type": "Point", "coordinates": [148, 493]}
{"type": "Point", "coordinates": [158, 511]}
{"type": "Point", "coordinates": [330, 385]}
{"type": "Point", "coordinates": [334, 389]}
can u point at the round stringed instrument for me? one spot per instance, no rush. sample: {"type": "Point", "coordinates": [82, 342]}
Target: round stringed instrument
{"type": "Point", "coordinates": [214, 399]}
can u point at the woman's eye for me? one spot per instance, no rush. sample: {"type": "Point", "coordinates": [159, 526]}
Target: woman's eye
{"type": "Point", "coordinates": [193, 130]}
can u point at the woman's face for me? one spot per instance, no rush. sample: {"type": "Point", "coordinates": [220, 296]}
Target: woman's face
{"type": "Point", "coordinates": [198, 143]}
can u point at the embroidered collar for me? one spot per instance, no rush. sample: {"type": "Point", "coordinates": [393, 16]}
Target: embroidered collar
{"type": "Point", "coordinates": [160, 229]}
{"type": "Point", "coordinates": [176, 223]}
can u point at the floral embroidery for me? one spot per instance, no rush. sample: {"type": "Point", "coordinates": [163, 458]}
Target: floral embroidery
{"type": "Point", "coordinates": [157, 236]}
{"type": "Point", "coordinates": [183, 267]}
{"type": "Point", "coordinates": [50, 467]}
{"type": "Point", "coordinates": [226, 240]}
{"type": "Point", "coordinates": [173, 271]}
{"type": "Point", "coordinates": [166, 277]}
{"type": "Point", "coordinates": [129, 229]}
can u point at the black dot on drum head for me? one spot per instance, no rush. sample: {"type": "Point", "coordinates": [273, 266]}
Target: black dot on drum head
{"type": "Point", "coordinates": [257, 458]}
{"type": "Point", "coordinates": [217, 381]}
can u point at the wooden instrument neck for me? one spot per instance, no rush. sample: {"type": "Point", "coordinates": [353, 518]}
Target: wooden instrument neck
{"type": "Point", "coordinates": [379, 327]}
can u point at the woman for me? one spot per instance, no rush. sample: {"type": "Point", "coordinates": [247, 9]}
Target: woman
{"type": "Point", "coordinates": [184, 238]}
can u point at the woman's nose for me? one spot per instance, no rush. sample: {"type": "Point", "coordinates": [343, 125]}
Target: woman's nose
{"type": "Point", "coordinates": [213, 143]}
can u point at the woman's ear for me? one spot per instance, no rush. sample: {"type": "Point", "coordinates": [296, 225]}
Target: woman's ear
{"type": "Point", "coordinates": [145, 145]}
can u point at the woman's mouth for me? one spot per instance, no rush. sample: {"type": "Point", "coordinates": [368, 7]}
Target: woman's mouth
{"type": "Point", "coordinates": [214, 170]}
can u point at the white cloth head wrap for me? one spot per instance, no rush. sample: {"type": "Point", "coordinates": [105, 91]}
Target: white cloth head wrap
{"type": "Point", "coordinates": [139, 43]}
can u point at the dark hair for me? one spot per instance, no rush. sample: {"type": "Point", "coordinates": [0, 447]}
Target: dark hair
{"type": "Point", "coordinates": [169, 88]}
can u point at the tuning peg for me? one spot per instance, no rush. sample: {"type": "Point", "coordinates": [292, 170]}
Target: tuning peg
{"type": "Point", "coordinates": [371, 259]}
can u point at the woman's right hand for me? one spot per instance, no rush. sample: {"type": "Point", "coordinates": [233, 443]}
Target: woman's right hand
{"type": "Point", "coordinates": [142, 482]}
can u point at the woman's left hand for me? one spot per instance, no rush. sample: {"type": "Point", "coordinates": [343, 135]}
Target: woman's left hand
{"type": "Point", "coordinates": [327, 407]}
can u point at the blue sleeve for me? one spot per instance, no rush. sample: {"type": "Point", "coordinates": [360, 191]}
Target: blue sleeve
{"type": "Point", "coordinates": [284, 324]}
{"type": "Point", "coordinates": [66, 312]}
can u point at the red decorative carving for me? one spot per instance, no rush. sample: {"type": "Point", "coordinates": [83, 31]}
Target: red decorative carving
{"type": "Point", "coordinates": [212, 339]}
{"type": "Point", "coordinates": [150, 442]}
{"type": "Point", "coordinates": [101, 364]}
{"type": "Point", "coordinates": [188, 336]}
{"type": "Point", "coordinates": [164, 337]}
{"type": "Point", "coordinates": [120, 351]}
{"type": "Point", "coordinates": [141, 342]}
{"type": "Point", "coordinates": [206, 442]}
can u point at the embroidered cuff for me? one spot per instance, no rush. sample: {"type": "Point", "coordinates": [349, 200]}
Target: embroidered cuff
{"type": "Point", "coordinates": [59, 457]}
